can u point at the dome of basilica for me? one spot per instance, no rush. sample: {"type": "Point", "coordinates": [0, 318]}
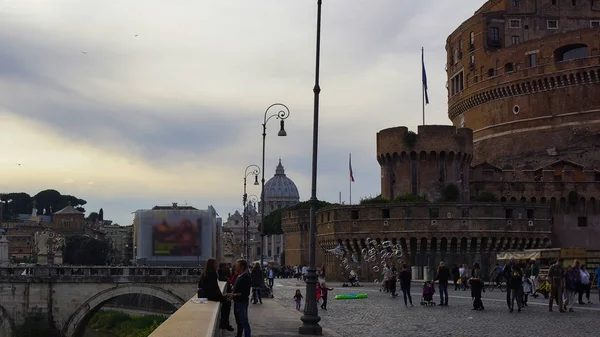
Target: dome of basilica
{"type": "Point", "coordinates": [281, 188]}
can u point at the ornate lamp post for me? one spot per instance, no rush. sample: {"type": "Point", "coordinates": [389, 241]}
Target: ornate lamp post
{"type": "Point", "coordinates": [255, 170]}
{"type": "Point", "coordinates": [310, 319]}
{"type": "Point", "coordinates": [282, 114]}
{"type": "Point", "coordinates": [252, 199]}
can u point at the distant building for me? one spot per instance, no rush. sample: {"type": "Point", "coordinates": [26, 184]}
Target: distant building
{"type": "Point", "coordinates": [119, 238]}
{"type": "Point", "coordinates": [233, 233]}
{"type": "Point", "coordinates": [174, 235]}
{"type": "Point", "coordinates": [280, 192]}
{"type": "Point", "coordinates": [68, 221]}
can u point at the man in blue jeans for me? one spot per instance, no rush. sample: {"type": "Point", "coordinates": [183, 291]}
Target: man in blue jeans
{"type": "Point", "coordinates": [443, 275]}
{"type": "Point", "coordinates": [239, 295]}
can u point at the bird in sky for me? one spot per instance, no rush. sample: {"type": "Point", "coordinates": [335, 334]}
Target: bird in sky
{"type": "Point", "coordinates": [84, 52]}
{"type": "Point", "coordinates": [136, 35]}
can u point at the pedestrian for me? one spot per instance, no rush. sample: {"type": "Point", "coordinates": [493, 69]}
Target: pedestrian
{"type": "Point", "coordinates": [597, 273]}
{"type": "Point", "coordinates": [571, 276]}
{"type": "Point", "coordinates": [324, 292]}
{"type": "Point", "coordinates": [270, 276]}
{"type": "Point", "coordinates": [208, 288]}
{"type": "Point", "coordinates": [476, 287]}
{"type": "Point", "coordinates": [298, 299]}
{"type": "Point", "coordinates": [535, 274]}
{"type": "Point", "coordinates": [515, 284]}
{"type": "Point", "coordinates": [257, 283]}
{"type": "Point", "coordinates": [586, 285]}
{"type": "Point", "coordinates": [556, 276]}
{"type": "Point", "coordinates": [392, 282]}
{"type": "Point", "coordinates": [405, 281]}
{"type": "Point", "coordinates": [239, 295]}
{"type": "Point", "coordinates": [455, 276]}
{"type": "Point", "coordinates": [443, 275]}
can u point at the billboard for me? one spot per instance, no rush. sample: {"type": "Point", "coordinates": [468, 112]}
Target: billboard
{"type": "Point", "coordinates": [175, 233]}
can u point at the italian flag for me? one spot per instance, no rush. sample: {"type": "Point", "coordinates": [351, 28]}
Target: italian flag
{"type": "Point", "coordinates": [350, 167]}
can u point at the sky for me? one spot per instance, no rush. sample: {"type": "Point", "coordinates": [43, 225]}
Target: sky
{"type": "Point", "coordinates": [131, 104]}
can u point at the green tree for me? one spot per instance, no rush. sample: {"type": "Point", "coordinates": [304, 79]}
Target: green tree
{"type": "Point", "coordinates": [15, 204]}
{"type": "Point", "coordinates": [101, 215]}
{"type": "Point", "coordinates": [53, 200]}
{"type": "Point", "coordinates": [85, 250]}
{"type": "Point", "coordinates": [93, 217]}
{"type": "Point", "coordinates": [273, 220]}
{"type": "Point", "coordinates": [450, 192]}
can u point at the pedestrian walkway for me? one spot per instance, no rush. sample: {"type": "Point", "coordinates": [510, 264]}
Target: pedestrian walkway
{"type": "Point", "coordinates": [272, 319]}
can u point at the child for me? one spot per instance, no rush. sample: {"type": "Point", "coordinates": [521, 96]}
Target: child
{"type": "Point", "coordinates": [318, 292]}
{"type": "Point", "coordinates": [324, 291]}
{"type": "Point", "coordinates": [298, 299]}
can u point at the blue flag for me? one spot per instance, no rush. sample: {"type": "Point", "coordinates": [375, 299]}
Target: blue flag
{"type": "Point", "coordinates": [424, 77]}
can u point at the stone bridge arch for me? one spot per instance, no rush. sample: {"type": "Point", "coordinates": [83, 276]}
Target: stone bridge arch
{"type": "Point", "coordinates": [72, 325]}
{"type": "Point", "coordinates": [7, 325]}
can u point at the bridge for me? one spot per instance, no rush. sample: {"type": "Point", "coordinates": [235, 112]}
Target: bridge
{"type": "Point", "coordinates": [69, 295]}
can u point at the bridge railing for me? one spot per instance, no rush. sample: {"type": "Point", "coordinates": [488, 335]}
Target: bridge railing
{"type": "Point", "coordinates": [16, 273]}
{"type": "Point", "coordinates": [193, 319]}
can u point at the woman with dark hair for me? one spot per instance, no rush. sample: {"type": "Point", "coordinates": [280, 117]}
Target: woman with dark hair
{"type": "Point", "coordinates": [208, 287]}
{"type": "Point", "coordinates": [476, 287]}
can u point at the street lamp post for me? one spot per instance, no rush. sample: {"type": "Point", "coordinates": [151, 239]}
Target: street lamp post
{"type": "Point", "coordinates": [252, 199]}
{"type": "Point", "coordinates": [282, 114]}
{"type": "Point", "coordinates": [255, 170]}
{"type": "Point", "coordinates": [310, 319]}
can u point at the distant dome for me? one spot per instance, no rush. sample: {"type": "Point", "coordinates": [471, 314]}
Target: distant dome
{"type": "Point", "coordinates": [280, 187]}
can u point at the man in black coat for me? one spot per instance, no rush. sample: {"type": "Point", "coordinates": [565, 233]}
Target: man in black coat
{"type": "Point", "coordinates": [443, 275]}
{"type": "Point", "coordinates": [239, 295]}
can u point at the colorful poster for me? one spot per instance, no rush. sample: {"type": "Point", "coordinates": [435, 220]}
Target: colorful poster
{"type": "Point", "coordinates": [176, 234]}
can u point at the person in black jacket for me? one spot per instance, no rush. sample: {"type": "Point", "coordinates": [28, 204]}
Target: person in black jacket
{"type": "Point", "coordinates": [405, 281]}
{"type": "Point", "coordinates": [443, 275]}
{"type": "Point", "coordinates": [239, 295]}
{"type": "Point", "coordinates": [209, 287]}
{"type": "Point", "coordinates": [257, 282]}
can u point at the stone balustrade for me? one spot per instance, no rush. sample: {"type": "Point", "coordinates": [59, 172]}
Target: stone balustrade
{"type": "Point", "coordinates": [193, 319]}
{"type": "Point", "coordinates": [99, 274]}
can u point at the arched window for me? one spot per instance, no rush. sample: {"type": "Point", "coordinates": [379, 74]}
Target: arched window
{"type": "Point", "coordinates": [571, 52]}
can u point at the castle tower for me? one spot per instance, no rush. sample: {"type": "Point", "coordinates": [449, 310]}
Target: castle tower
{"type": "Point", "coordinates": [424, 163]}
{"type": "Point", "coordinates": [528, 72]}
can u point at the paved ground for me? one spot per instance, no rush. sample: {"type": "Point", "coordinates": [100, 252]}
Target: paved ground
{"type": "Point", "coordinates": [381, 315]}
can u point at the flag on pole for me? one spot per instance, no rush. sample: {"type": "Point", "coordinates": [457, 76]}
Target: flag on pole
{"type": "Point", "coordinates": [350, 166]}
{"type": "Point", "coordinates": [424, 76]}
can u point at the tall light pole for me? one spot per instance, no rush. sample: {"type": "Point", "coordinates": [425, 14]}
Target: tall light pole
{"type": "Point", "coordinates": [282, 114]}
{"type": "Point", "coordinates": [255, 170]}
{"type": "Point", "coordinates": [310, 319]}
{"type": "Point", "coordinates": [252, 199]}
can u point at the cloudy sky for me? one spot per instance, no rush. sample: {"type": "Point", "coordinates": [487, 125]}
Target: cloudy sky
{"type": "Point", "coordinates": [133, 103]}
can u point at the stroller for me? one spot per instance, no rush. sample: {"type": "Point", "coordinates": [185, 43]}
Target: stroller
{"type": "Point", "coordinates": [428, 291]}
{"type": "Point", "coordinates": [267, 291]}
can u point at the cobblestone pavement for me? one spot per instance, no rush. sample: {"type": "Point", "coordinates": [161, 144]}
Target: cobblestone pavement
{"type": "Point", "coordinates": [381, 315]}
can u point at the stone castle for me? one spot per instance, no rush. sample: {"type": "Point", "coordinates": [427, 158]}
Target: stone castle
{"type": "Point", "coordinates": [521, 159]}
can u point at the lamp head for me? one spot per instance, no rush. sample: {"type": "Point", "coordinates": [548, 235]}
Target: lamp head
{"type": "Point", "coordinates": [282, 132]}
{"type": "Point", "coordinates": [256, 180]}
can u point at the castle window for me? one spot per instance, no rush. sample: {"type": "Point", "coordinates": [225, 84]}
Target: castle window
{"type": "Point", "coordinates": [354, 214]}
{"type": "Point", "coordinates": [472, 62]}
{"type": "Point", "coordinates": [529, 214]}
{"type": "Point", "coordinates": [494, 36]}
{"type": "Point", "coordinates": [515, 39]}
{"type": "Point", "coordinates": [553, 2]}
{"type": "Point", "coordinates": [573, 3]}
{"type": "Point", "coordinates": [533, 60]}
{"type": "Point", "coordinates": [582, 221]}
{"type": "Point", "coordinates": [595, 23]}
{"type": "Point", "coordinates": [465, 212]}
{"type": "Point", "coordinates": [385, 213]}
{"type": "Point", "coordinates": [508, 213]}
{"type": "Point", "coordinates": [514, 23]}
{"type": "Point", "coordinates": [457, 83]}
{"type": "Point", "coordinates": [508, 68]}
{"type": "Point", "coordinates": [491, 72]}
{"type": "Point", "coordinates": [516, 3]}
{"type": "Point", "coordinates": [434, 212]}
{"type": "Point", "coordinates": [471, 41]}
{"type": "Point", "coordinates": [460, 49]}
{"type": "Point", "coordinates": [571, 52]}
{"type": "Point", "coordinates": [552, 24]}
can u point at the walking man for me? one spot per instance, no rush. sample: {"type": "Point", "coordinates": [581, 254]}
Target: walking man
{"type": "Point", "coordinates": [556, 276]}
{"type": "Point", "coordinates": [239, 295]}
{"type": "Point", "coordinates": [443, 274]}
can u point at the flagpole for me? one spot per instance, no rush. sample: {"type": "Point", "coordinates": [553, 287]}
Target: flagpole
{"type": "Point", "coordinates": [422, 84]}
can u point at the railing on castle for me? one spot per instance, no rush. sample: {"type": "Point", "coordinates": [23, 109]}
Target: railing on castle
{"type": "Point", "coordinates": [100, 273]}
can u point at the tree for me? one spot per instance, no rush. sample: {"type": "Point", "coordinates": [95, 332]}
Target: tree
{"type": "Point", "coordinates": [93, 217]}
{"type": "Point", "coordinates": [15, 204]}
{"type": "Point", "coordinates": [273, 220]}
{"type": "Point", "coordinates": [85, 250]}
{"type": "Point", "coordinates": [53, 200]}
{"type": "Point", "coordinates": [101, 215]}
